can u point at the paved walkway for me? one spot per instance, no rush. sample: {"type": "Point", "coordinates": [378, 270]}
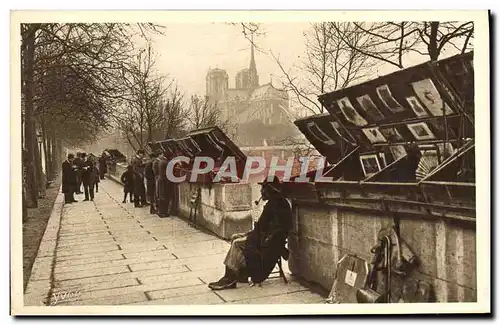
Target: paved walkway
{"type": "Point", "coordinates": [110, 253]}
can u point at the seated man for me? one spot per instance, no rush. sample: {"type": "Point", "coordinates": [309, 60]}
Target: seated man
{"type": "Point", "coordinates": [255, 253]}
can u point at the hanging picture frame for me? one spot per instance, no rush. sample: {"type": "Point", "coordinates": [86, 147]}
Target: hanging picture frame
{"type": "Point", "coordinates": [314, 129]}
{"type": "Point", "coordinates": [374, 135]}
{"type": "Point", "coordinates": [385, 95]}
{"type": "Point", "coordinates": [427, 92]}
{"type": "Point", "coordinates": [370, 164]}
{"type": "Point", "coordinates": [350, 112]}
{"type": "Point", "coordinates": [382, 160]}
{"type": "Point", "coordinates": [398, 152]}
{"type": "Point", "coordinates": [392, 135]}
{"type": "Point", "coordinates": [369, 107]}
{"type": "Point", "coordinates": [421, 131]}
{"type": "Point", "coordinates": [416, 106]}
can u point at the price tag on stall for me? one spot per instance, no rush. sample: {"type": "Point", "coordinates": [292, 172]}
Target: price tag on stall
{"type": "Point", "coordinates": [350, 278]}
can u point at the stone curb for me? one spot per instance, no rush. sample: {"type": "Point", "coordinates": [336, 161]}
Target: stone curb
{"type": "Point", "coordinates": [40, 281]}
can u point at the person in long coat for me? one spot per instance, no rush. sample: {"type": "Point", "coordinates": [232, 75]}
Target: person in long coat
{"type": "Point", "coordinates": [69, 179]}
{"type": "Point", "coordinates": [138, 166]}
{"type": "Point", "coordinates": [89, 173]}
{"type": "Point", "coordinates": [165, 188]}
{"type": "Point", "coordinates": [150, 182]}
{"type": "Point", "coordinates": [78, 162]}
{"type": "Point", "coordinates": [103, 167]}
{"type": "Point", "coordinates": [156, 172]}
{"type": "Point", "coordinates": [255, 253]}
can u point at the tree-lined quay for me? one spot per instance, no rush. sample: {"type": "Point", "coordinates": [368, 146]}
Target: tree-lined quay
{"type": "Point", "coordinates": [363, 136]}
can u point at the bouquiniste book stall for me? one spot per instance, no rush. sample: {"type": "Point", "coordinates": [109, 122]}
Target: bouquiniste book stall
{"type": "Point", "coordinates": [409, 134]}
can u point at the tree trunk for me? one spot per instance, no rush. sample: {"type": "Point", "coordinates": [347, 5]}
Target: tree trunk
{"type": "Point", "coordinates": [50, 165]}
{"type": "Point", "coordinates": [42, 184]}
{"type": "Point", "coordinates": [29, 56]}
{"type": "Point", "coordinates": [56, 154]}
{"type": "Point", "coordinates": [433, 42]}
{"type": "Point", "coordinates": [45, 152]}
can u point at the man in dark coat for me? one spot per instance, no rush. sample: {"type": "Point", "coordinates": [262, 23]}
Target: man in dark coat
{"type": "Point", "coordinates": [88, 178]}
{"type": "Point", "coordinates": [255, 254]}
{"type": "Point", "coordinates": [69, 179]}
{"type": "Point", "coordinates": [150, 182]}
{"type": "Point", "coordinates": [165, 188]}
{"type": "Point", "coordinates": [138, 167]}
{"type": "Point", "coordinates": [103, 167]}
{"type": "Point", "coordinates": [78, 162]}
{"type": "Point", "coordinates": [156, 173]}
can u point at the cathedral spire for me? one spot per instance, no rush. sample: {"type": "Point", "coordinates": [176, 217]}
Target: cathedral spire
{"type": "Point", "coordinates": [253, 76]}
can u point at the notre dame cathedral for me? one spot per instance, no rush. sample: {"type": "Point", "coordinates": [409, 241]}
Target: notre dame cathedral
{"type": "Point", "coordinates": [258, 114]}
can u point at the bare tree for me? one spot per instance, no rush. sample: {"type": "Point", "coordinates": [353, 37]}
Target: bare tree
{"type": "Point", "coordinates": [176, 116]}
{"type": "Point", "coordinates": [203, 112]}
{"type": "Point", "coordinates": [329, 64]}
{"type": "Point", "coordinates": [69, 72]}
{"type": "Point", "coordinates": [142, 113]}
{"type": "Point", "coordinates": [391, 42]}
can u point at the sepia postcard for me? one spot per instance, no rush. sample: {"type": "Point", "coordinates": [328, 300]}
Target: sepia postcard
{"type": "Point", "coordinates": [250, 162]}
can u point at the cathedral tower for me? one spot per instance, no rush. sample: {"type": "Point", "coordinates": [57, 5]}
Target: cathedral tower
{"type": "Point", "coordinates": [217, 82]}
{"type": "Point", "coordinates": [252, 70]}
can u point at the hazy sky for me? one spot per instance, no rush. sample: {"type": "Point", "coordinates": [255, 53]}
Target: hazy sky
{"type": "Point", "coordinates": [187, 51]}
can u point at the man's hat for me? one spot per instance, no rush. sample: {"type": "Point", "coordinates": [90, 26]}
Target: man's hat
{"type": "Point", "coordinates": [275, 185]}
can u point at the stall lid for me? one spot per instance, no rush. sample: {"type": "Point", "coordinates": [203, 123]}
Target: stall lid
{"type": "Point", "coordinates": [214, 143]}
{"type": "Point", "coordinates": [421, 104]}
{"type": "Point", "coordinates": [213, 140]}
{"type": "Point", "coordinates": [327, 135]}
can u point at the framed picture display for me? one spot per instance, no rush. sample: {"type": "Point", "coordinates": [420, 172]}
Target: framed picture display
{"type": "Point", "coordinates": [374, 135]}
{"type": "Point", "coordinates": [392, 135]}
{"type": "Point", "coordinates": [350, 113]}
{"type": "Point", "coordinates": [416, 106]}
{"type": "Point", "coordinates": [370, 164]}
{"type": "Point", "coordinates": [341, 132]}
{"type": "Point", "coordinates": [382, 160]}
{"type": "Point", "coordinates": [427, 92]}
{"type": "Point", "coordinates": [421, 131]}
{"type": "Point", "coordinates": [319, 134]}
{"type": "Point", "coordinates": [385, 95]}
{"type": "Point", "coordinates": [398, 152]}
{"type": "Point", "coordinates": [369, 107]}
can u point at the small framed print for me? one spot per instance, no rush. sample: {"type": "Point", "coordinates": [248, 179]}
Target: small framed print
{"type": "Point", "coordinates": [398, 152]}
{"type": "Point", "coordinates": [319, 134]}
{"type": "Point", "coordinates": [382, 160]}
{"type": "Point", "coordinates": [385, 95]}
{"type": "Point", "coordinates": [350, 113]}
{"type": "Point", "coordinates": [370, 164]}
{"type": "Point", "coordinates": [421, 131]}
{"type": "Point", "coordinates": [374, 135]}
{"type": "Point", "coordinates": [369, 107]}
{"type": "Point", "coordinates": [426, 91]}
{"type": "Point", "coordinates": [392, 135]}
{"type": "Point", "coordinates": [416, 106]}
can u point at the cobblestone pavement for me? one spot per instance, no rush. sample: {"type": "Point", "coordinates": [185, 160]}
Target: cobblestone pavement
{"type": "Point", "coordinates": [110, 253]}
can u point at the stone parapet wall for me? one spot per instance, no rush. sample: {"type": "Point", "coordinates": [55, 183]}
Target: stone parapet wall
{"type": "Point", "coordinates": [224, 209]}
{"type": "Point", "coordinates": [446, 248]}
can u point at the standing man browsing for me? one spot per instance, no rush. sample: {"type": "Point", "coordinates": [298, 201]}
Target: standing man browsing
{"type": "Point", "coordinates": [88, 178]}
{"type": "Point", "coordinates": [138, 167]}
{"type": "Point", "coordinates": [150, 182]}
{"type": "Point", "coordinates": [69, 179]}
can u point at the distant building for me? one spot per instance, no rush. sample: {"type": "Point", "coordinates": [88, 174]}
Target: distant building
{"type": "Point", "coordinates": [258, 114]}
